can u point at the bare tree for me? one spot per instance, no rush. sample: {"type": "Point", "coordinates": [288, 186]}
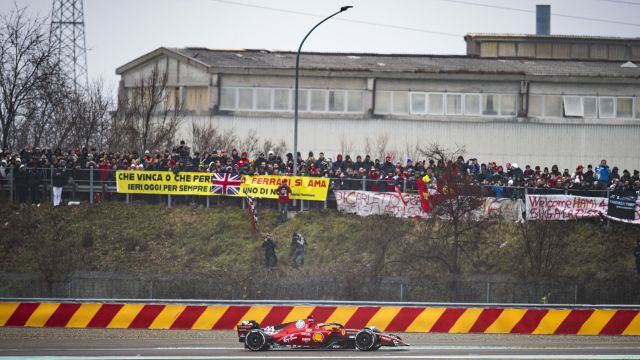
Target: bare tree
{"type": "Point", "coordinates": [346, 145]}
{"type": "Point", "coordinates": [206, 137]}
{"type": "Point", "coordinates": [45, 103]}
{"type": "Point", "coordinates": [94, 123]}
{"type": "Point", "coordinates": [25, 59]}
{"type": "Point", "coordinates": [451, 233]}
{"type": "Point", "coordinates": [277, 148]}
{"type": "Point", "coordinates": [544, 247]}
{"type": "Point", "coordinates": [147, 116]}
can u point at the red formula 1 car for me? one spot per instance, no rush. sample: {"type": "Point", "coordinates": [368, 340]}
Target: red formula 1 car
{"type": "Point", "coordinates": [308, 334]}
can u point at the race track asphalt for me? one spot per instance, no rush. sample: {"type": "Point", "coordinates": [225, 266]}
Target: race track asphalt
{"type": "Point", "coordinates": [107, 344]}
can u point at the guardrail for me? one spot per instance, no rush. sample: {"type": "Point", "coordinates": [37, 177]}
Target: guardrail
{"type": "Point", "coordinates": [437, 318]}
{"type": "Point", "coordinates": [87, 183]}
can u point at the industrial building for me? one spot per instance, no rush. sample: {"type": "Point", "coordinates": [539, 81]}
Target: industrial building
{"type": "Point", "coordinates": [530, 99]}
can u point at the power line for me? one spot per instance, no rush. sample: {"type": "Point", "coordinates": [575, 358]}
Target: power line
{"type": "Point", "coordinates": [339, 19]}
{"type": "Point", "coordinates": [622, 2]}
{"type": "Point", "coordinates": [553, 14]}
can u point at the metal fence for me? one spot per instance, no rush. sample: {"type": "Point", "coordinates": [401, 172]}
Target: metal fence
{"type": "Point", "coordinates": [92, 186]}
{"type": "Point", "coordinates": [468, 288]}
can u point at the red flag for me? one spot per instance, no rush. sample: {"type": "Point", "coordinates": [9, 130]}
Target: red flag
{"type": "Point", "coordinates": [399, 192]}
{"type": "Point", "coordinates": [424, 196]}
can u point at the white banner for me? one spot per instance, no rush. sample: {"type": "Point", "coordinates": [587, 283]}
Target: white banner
{"type": "Point", "coordinates": [569, 207]}
{"type": "Point", "coordinates": [365, 203]}
{"type": "Point", "coordinates": [506, 209]}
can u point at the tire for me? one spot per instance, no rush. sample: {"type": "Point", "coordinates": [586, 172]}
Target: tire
{"type": "Point", "coordinates": [256, 341]}
{"type": "Point", "coordinates": [366, 340]}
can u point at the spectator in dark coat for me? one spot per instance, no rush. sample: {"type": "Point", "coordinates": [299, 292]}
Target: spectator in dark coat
{"type": "Point", "coordinates": [388, 166]}
{"type": "Point", "coordinates": [35, 180]}
{"type": "Point", "coordinates": [338, 164]}
{"type": "Point", "coordinates": [270, 258]}
{"type": "Point", "coordinates": [59, 181]}
{"type": "Point", "coordinates": [21, 179]}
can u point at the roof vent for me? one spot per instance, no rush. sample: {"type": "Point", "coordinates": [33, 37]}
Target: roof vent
{"type": "Point", "coordinates": [239, 55]}
{"type": "Point", "coordinates": [629, 64]}
{"type": "Point", "coordinates": [353, 57]}
{"type": "Point", "coordinates": [382, 64]}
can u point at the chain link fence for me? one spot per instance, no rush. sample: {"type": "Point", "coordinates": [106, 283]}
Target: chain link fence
{"type": "Point", "coordinates": [620, 289]}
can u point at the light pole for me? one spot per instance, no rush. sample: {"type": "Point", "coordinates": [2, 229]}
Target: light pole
{"type": "Point", "coordinates": [295, 110]}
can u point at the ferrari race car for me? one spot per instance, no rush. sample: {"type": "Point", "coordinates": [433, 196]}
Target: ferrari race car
{"type": "Point", "coordinates": [308, 334]}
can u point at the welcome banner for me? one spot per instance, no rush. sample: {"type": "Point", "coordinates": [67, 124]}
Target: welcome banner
{"type": "Point", "coordinates": [569, 207]}
{"type": "Point", "coordinates": [207, 184]}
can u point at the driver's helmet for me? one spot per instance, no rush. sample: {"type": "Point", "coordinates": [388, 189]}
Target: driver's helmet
{"type": "Point", "coordinates": [311, 320]}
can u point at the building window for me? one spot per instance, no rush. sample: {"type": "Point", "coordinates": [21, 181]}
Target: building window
{"type": "Point", "coordinates": [418, 103]}
{"type": "Point", "coordinates": [383, 102]}
{"type": "Point", "coordinates": [454, 104]}
{"type": "Point", "coordinates": [400, 102]}
{"type": "Point", "coordinates": [573, 106]}
{"type": "Point", "coordinates": [281, 99]}
{"type": "Point", "coordinates": [472, 104]}
{"type": "Point", "coordinates": [354, 101]}
{"type": "Point", "coordinates": [607, 107]}
{"type": "Point", "coordinates": [263, 99]}
{"type": "Point", "coordinates": [197, 98]}
{"type": "Point", "coordinates": [638, 108]}
{"type": "Point", "coordinates": [245, 98]}
{"type": "Point", "coordinates": [490, 104]}
{"type": "Point", "coordinates": [228, 98]}
{"type": "Point", "coordinates": [172, 98]}
{"type": "Point", "coordinates": [508, 105]}
{"type": "Point", "coordinates": [535, 105]}
{"type": "Point", "coordinates": [590, 106]}
{"type": "Point", "coordinates": [436, 104]}
{"type": "Point", "coordinates": [552, 106]}
{"type": "Point", "coordinates": [303, 101]}
{"type": "Point", "coordinates": [336, 101]}
{"type": "Point", "coordinates": [318, 100]}
{"type": "Point", "coordinates": [624, 107]}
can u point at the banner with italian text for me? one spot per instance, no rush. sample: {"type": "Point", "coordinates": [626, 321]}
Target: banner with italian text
{"type": "Point", "coordinates": [207, 184]}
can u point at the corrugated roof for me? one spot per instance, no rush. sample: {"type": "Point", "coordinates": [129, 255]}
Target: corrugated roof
{"type": "Point", "coordinates": [551, 37]}
{"type": "Point", "coordinates": [412, 63]}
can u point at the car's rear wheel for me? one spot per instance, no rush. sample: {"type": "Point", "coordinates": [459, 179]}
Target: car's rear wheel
{"type": "Point", "coordinates": [256, 341]}
{"type": "Point", "coordinates": [365, 340]}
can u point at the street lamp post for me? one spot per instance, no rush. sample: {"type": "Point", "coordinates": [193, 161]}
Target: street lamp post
{"type": "Point", "coordinates": [295, 110]}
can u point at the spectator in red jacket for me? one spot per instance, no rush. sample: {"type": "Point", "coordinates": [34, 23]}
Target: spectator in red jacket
{"type": "Point", "coordinates": [284, 191]}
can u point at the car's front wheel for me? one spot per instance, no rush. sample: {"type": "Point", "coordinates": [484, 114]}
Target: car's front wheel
{"type": "Point", "coordinates": [365, 340]}
{"type": "Point", "coordinates": [256, 341]}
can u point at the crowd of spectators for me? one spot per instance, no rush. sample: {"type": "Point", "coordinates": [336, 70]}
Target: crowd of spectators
{"type": "Point", "coordinates": [346, 172]}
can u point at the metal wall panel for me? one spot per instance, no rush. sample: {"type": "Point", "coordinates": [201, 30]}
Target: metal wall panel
{"type": "Point", "coordinates": [525, 143]}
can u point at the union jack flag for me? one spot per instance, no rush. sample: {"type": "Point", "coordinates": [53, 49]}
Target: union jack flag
{"type": "Point", "coordinates": [226, 184]}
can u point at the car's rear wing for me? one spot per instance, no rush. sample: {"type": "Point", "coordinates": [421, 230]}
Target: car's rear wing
{"type": "Point", "coordinates": [246, 326]}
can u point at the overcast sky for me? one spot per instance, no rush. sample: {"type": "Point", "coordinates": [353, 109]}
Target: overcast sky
{"type": "Point", "coordinates": [118, 31]}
